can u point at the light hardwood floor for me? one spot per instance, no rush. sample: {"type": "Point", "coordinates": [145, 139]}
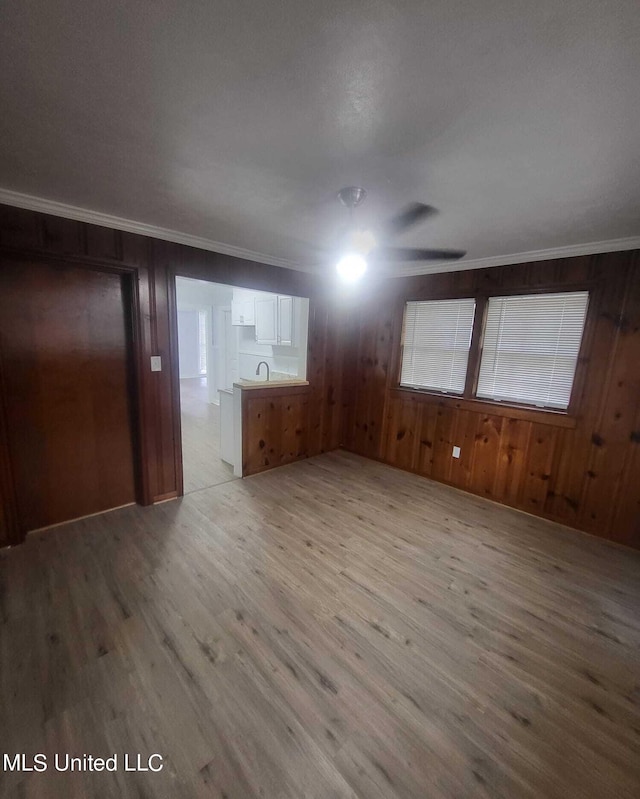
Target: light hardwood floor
{"type": "Point", "coordinates": [201, 438]}
{"type": "Point", "coordinates": [333, 628]}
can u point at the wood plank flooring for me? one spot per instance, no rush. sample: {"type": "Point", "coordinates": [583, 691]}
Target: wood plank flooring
{"type": "Point", "coordinates": [201, 438]}
{"type": "Point", "coordinates": [333, 628]}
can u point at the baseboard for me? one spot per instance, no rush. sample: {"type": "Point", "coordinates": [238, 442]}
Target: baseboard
{"type": "Point", "coordinates": [80, 518]}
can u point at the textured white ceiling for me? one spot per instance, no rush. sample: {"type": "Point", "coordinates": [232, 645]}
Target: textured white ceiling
{"type": "Point", "coordinates": [238, 120]}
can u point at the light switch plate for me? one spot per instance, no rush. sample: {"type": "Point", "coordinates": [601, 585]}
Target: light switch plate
{"type": "Point", "coordinates": [456, 452]}
{"type": "Point", "coordinates": [156, 363]}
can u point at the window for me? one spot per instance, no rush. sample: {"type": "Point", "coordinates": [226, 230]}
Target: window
{"type": "Point", "coordinates": [437, 337]}
{"type": "Point", "coordinates": [526, 355]}
{"type": "Point", "coordinates": [530, 348]}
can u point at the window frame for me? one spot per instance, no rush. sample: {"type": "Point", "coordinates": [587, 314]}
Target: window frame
{"type": "Point", "coordinates": [468, 399]}
{"type": "Point", "coordinates": [430, 389]}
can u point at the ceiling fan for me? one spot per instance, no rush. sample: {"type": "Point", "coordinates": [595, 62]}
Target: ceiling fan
{"type": "Point", "coordinates": [359, 247]}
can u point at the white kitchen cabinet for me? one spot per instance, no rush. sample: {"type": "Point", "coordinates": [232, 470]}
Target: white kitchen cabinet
{"type": "Point", "coordinates": [266, 316]}
{"type": "Point", "coordinates": [273, 316]}
{"type": "Point", "coordinates": [285, 321]}
{"type": "Point", "coordinates": [243, 312]}
{"type": "Point", "coordinates": [227, 427]}
{"type": "Point", "coordinates": [274, 319]}
{"type": "Point", "coordinates": [243, 308]}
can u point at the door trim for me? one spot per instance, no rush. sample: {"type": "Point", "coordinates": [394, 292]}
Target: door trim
{"type": "Point", "coordinates": [7, 485]}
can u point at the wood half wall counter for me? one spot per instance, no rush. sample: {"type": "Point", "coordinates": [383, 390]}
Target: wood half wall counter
{"type": "Point", "coordinates": [278, 427]}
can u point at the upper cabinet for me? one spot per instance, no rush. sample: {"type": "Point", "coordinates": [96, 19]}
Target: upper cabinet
{"type": "Point", "coordinates": [285, 321]}
{"type": "Point", "coordinates": [272, 315]}
{"type": "Point", "coordinates": [266, 309]}
{"type": "Point", "coordinates": [243, 307]}
{"type": "Point", "coordinates": [274, 320]}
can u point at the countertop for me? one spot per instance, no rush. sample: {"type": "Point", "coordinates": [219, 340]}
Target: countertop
{"type": "Point", "coordinates": [248, 385]}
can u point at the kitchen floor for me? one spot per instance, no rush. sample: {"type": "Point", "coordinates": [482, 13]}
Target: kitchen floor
{"type": "Point", "coordinates": [201, 461]}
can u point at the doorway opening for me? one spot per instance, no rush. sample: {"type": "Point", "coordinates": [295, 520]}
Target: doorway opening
{"type": "Point", "coordinates": [230, 337]}
{"type": "Point", "coordinates": [204, 313]}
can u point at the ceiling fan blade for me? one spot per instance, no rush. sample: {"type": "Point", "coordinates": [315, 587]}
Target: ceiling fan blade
{"type": "Point", "coordinates": [409, 216]}
{"type": "Point", "coordinates": [400, 254]}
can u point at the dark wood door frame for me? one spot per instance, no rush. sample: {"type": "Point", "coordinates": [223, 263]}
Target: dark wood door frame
{"type": "Point", "coordinates": [138, 360]}
{"type": "Point", "coordinates": [8, 501]}
{"type": "Point", "coordinates": [172, 303]}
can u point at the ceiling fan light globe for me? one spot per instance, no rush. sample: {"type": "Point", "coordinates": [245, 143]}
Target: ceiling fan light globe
{"type": "Point", "coordinates": [364, 241]}
{"type": "Point", "coordinates": [351, 267]}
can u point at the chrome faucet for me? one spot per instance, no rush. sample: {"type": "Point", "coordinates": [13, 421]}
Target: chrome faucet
{"type": "Point", "coordinates": [258, 369]}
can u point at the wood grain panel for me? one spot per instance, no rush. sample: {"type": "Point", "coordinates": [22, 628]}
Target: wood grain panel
{"type": "Point", "coordinates": [262, 446]}
{"type": "Point", "coordinates": [535, 482]}
{"type": "Point", "coordinates": [65, 353]}
{"type": "Point", "coordinates": [486, 454]}
{"type": "Point", "coordinates": [21, 229]}
{"type": "Point", "coordinates": [294, 426]}
{"type": "Point", "coordinates": [284, 424]}
{"type": "Point", "coordinates": [165, 389]}
{"type": "Point", "coordinates": [615, 438]}
{"type": "Point", "coordinates": [61, 235]}
{"type": "Point", "coordinates": [581, 468]}
{"type": "Point", "coordinates": [443, 443]}
{"type": "Point", "coordinates": [626, 521]}
{"type": "Point", "coordinates": [367, 396]}
{"type": "Point", "coordinates": [9, 523]}
{"type": "Point", "coordinates": [277, 425]}
{"type": "Point", "coordinates": [333, 398]}
{"type": "Point", "coordinates": [102, 242]}
{"type": "Point", "coordinates": [260, 416]}
{"type": "Point", "coordinates": [512, 460]}
{"type": "Point", "coordinates": [464, 435]}
{"type": "Point", "coordinates": [427, 438]}
{"type": "Point", "coordinates": [403, 432]}
{"type": "Point", "coordinates": [325, 374]}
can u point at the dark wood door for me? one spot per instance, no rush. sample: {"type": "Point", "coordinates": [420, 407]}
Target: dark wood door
{"type": "Point", "coordinates": [65, 360]}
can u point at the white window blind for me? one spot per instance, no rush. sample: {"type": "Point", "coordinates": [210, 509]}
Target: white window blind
{"type": "Point", "coordinates": [530, 348]}
{"type": "Point", "coordinates": [437, 337]}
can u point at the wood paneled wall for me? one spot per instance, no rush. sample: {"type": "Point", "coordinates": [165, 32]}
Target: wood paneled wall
{"type": "Point", "coordinates": [582, 470]}
{"type": "Point", "coordinates": [154, 264]}
{"type": "Point", "coordinates": [282, 425]}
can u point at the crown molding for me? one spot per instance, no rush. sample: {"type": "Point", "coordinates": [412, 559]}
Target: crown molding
{"type": "Point", "coordinates": [568, 251]}
{"type": "Point", "coordinates": [31, 203]}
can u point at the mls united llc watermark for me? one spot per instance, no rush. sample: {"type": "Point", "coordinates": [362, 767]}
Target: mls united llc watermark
{"type": "Point", "coordinates": [40, 762]}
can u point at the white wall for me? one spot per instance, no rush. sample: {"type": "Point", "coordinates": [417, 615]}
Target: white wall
{"type": "Point", "coordinates": [201, 293]}
{"type": "Point", "coordinates": [283, 360]}
{"type": "Point", "coordinates": [193, 296]}
{"type": "Point", "coordinates": [188, 343]}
